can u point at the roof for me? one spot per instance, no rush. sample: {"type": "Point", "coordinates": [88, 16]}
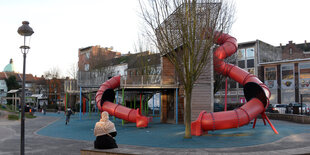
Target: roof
{"type": "Point", "coordinates": [13, 91]}
{"type": "Point", "coordinates": [3, 76]}
{"type": "Point", "coordinates": [305, 47]}
{"type": "Point", "coordinates": [18, 76]}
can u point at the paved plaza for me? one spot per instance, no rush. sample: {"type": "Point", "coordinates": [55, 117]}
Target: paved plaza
{"type": "Point", "coordinates": [48, 134]}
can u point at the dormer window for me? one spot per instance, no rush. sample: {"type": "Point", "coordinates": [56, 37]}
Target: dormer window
{"type": "Point", "coordinates": [291, 51]}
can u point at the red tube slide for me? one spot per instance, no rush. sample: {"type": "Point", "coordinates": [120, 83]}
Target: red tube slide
{"type": "Point", "coordinates": [256, 93]}
{"type": "Point", "coordinates": [105, 97]}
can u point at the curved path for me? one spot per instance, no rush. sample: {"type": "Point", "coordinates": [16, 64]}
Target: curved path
{"type": "Point", "coordinates": [36, 144]}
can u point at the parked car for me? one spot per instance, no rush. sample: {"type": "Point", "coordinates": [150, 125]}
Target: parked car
{"type": "Point", "coordinates": [277, 108]}
{"type": "Point", "coordinates": [271, 109]}
{"type": "Point", "coordinates": [305, 108]}
{"type": "Point", "coordinates": [218, 107]}
{"type": "Point", "coordinates": [281, 108]}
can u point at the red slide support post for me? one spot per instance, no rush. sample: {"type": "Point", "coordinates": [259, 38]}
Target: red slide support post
{"type": "Point", "coordinates": [105, 97]}
{"type": "Point", "coordinates": [256, 93]}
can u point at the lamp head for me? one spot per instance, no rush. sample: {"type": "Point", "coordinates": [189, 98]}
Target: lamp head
{"type": "Point", "coordinates": [25, 29]}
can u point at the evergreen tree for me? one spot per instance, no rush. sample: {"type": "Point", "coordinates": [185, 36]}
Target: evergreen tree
{"type": "Point", "coordinates": [11, 84]}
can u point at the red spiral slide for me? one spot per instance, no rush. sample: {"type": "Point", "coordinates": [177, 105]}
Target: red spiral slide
{"type": "Point", "coordinates": [105, 95]}
{"type": "Point", "coordinates": [256, 93]}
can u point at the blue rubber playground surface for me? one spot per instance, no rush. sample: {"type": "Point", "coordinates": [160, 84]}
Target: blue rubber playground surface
{"type": "Point", "coordinates": [170, 135]}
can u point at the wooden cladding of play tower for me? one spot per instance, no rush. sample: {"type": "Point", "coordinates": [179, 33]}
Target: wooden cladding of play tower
{"type": "Point", "coordinates": [201, 95]}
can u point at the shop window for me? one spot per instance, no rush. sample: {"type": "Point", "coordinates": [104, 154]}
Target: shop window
{"type": "Point", "coordinates": [287, 76]}
{"type": "Point", "coordinates": [287, 73]}
{"type": "Point", "coordinates": [271, 77]}
{"type": "Point", "coordinates": [304, 75]}
{"type": "Point", "coordinates": [270, 73]}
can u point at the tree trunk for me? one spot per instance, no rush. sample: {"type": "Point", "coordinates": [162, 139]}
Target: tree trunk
{"type": "Point", "coordinates": [188, 113]}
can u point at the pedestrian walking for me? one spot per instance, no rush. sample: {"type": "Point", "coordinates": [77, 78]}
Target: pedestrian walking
{"type": "Point", "coordinates": [44, 108]}
{"type": "Point", "coordinates": [68, 114]}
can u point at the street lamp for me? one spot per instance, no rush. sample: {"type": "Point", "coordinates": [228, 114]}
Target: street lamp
{"type": "Point", "coordinates": [55, 96]}
{"type": "Point", "coordinates": [26, 31]}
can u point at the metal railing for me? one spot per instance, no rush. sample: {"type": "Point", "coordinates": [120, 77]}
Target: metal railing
{"type": "Point", "coordinates": [140, 81]}
{"type": "Point", "coordinates": [93, 79]}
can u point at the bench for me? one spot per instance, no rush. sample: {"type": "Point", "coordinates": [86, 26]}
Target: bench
{"type": "Point", "coordinates": [116, 151]}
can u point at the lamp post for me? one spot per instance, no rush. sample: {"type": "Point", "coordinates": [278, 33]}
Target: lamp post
{"type": "Point", "coordinates": [26, 31]}
{"type": "Point", "coordinates": [55, 96]}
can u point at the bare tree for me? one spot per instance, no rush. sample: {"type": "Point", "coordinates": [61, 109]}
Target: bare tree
{"type": "Point", "coordinates": [54, 72]}
{"type": "Point", "coordinates": [148, 62]}
{"type": "Point", "coordinates": [73, 71]}
{"type": "Point", "coordinates": [184, 31]}
{"type": "Point", "coordinates": [219, 79]}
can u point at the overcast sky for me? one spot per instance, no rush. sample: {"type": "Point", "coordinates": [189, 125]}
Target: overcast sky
{"type": "Point", "coordinates": [63, 26]}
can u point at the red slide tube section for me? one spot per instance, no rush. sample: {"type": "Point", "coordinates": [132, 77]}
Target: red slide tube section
{"type": "Point", "coordinates": [256, 93]}
{"type": "Point", "coordinates": [117, 110]}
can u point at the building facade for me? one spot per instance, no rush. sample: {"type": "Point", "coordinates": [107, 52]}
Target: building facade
{"type": "Point", "coordinates": [289, 77]}
{"type": "Point", "coordinates": [93, 56]}
{"type": "Point", "coordinates": [248, 57]}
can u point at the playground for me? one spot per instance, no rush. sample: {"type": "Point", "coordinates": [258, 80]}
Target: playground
{"type": "Point", "coordinates": [171, 135]}
{"type": "Point", "coordinates": [243, 126]}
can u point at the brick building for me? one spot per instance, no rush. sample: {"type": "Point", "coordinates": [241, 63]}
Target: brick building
{"type": "Point", "coordinates": [90, 57]}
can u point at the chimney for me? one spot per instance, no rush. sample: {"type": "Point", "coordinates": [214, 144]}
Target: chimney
{"type": "Point", "coordinates": [305, 41]}
{"type": "Point", "coordinates": [290, 42]}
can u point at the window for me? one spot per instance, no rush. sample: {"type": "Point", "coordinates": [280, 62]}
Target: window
{"type": "Point", "coordinates": [241, 54]}
{"type": "Point", "coordinates": [250, 53]}
{"type": "Point", "coordinates": [86, 67]}
{"type": "Point", "coordinates": [250, 63]}
{"type": "Point", "coordinates": [241, 63]}
{"type": "Point", "coordinates": [231, 83]}
{"type": "Point", "coordinates": [291, 51]}
{"type": "Point", "coordinates": [246, 60]}
{"type": "Point", "coordinates": [87, 55]}
{"type": "Point", "coordinates": [251, 70]}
